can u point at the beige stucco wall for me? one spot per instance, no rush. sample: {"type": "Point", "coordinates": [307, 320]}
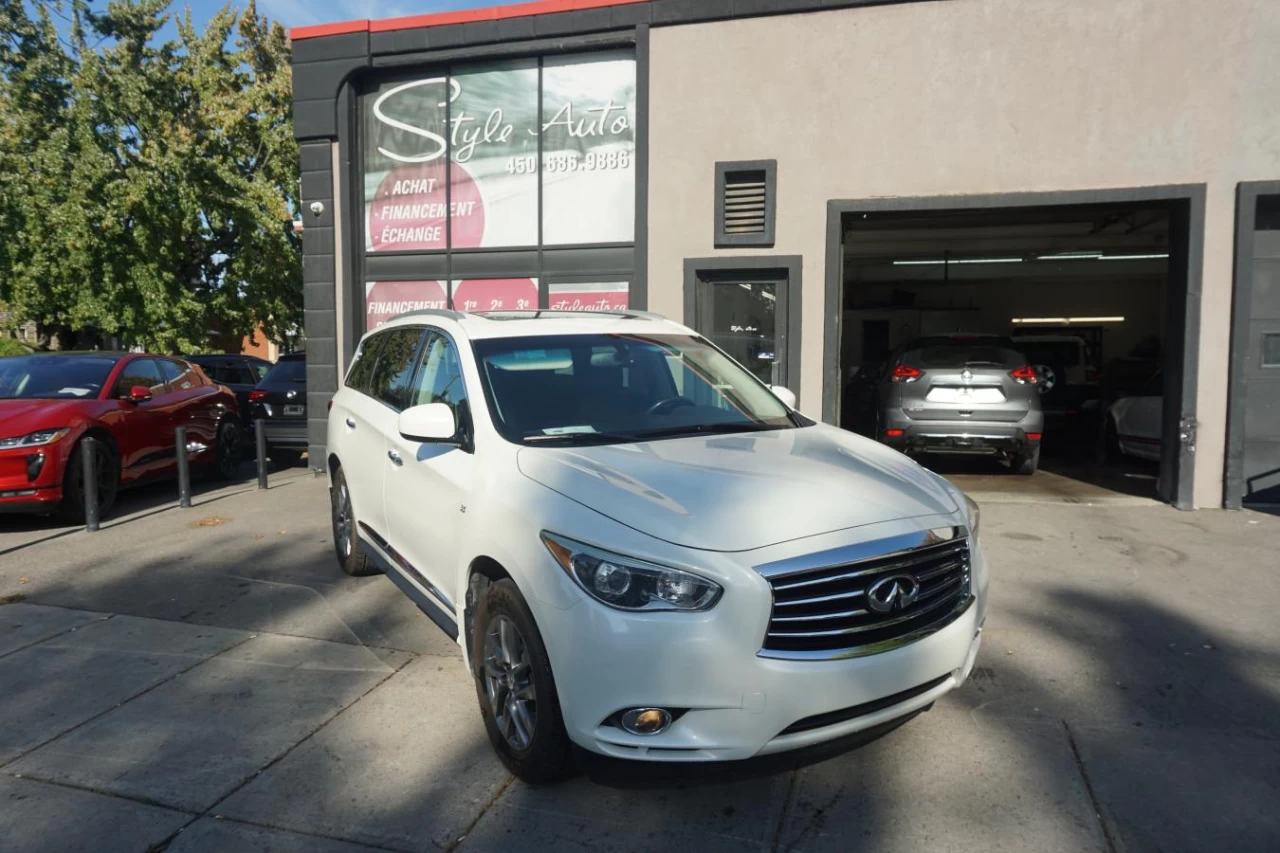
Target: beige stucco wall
{"type": "Point", "coordinates": [968, 96]}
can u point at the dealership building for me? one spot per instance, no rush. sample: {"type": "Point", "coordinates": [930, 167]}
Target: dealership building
{"type": "Point", "coordinates": [812, 183]}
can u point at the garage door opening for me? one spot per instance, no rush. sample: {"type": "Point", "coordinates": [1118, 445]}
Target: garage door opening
{"type": "Point", "coordinates": [941, 311]}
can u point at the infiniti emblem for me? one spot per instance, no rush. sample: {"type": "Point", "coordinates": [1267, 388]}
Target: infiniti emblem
{"type": "Point", "coordinates": [896, 592]}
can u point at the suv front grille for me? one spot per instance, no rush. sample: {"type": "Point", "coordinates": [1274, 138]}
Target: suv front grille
{"type": "Point", "coordinates": [826, 612]}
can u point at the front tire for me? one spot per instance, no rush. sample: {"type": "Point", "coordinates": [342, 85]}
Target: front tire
{"type": "Point", "coordinates": [71, 509]}
{"type": "Point", "coordinates": [346, 538]}
{"type": "Point", "coordinates": [516, 689]}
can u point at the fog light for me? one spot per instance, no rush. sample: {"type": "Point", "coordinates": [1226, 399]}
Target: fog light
{"type": "Point", "coordinates": [646, 721]}
{"type": "Point", "coordinates": [35, 463]}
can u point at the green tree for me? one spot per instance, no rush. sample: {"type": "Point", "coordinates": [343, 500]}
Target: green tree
{"type": "Point", "coordinates": [153, 182]}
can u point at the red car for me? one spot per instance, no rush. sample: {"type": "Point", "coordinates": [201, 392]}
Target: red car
{"type": "Point", "coordinates": [132, 403]}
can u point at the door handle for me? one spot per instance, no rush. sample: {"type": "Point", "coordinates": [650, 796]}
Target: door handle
{"type": "Point", "coordinates": [351, 424]}
{"type": "Point", "coordinates": [394, 456]}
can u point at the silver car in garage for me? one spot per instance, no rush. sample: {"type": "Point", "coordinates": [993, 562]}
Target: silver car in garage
{"type": "Point", "coordinates": [971, 394]}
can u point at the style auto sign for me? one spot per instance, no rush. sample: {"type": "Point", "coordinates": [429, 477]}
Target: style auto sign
{"type": "Point", "coordinates": [453, 161]}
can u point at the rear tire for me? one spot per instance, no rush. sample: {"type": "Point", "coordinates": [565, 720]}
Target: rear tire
{"type": "Point", "coordinates": [283, 457]}
{"type": "Point", "coordinates": [1025, 464]}
{"type": "Point", "coordinates": [227, 451]}
{"type": "Point", "coordinates": [71, 509]}
{"type": "Point", "coordinates": [346, 537]}
{"type": "Point", "coordinates": [527, 729]}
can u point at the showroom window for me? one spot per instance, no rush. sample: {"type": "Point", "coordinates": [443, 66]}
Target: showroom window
{"type": "Point", "coordinates": [484, 184]}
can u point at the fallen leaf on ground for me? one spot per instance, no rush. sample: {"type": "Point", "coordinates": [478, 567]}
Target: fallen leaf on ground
{"type": "Point", "coordinates": [259, 536]}
{"type": "Point", "coordinates": [284, 532]}
{"type": "Point", "coordinates": [211, 521]}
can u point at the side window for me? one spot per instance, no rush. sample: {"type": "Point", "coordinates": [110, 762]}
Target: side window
{"type": "Point", "coordinates": [259, 370]}
{"type": "Point", "coordinates": [180, 377]}
{"type": "Point", "coordinates": [140, 371]}
{"type": "Point", "coordinates": [397, 356]}
{"type": "Point", "coordinates": [440, 379]}
{"type": "Point", "coordinates": [360, 376]}
{"type": "Point", "coordinates": [239, 373]}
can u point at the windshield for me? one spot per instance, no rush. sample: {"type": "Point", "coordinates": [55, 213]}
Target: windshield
{"type": "Point", "coordinates": [603, 389]}
{"type": "Point", "coordinates": [54, 376]}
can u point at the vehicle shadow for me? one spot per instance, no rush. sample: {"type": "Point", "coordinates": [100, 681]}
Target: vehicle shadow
{"type": "Point", "coordinates": [1098, 718]}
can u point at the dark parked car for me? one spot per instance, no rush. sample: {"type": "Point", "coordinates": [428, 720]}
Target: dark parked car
{"type": "Point", "coordinates": [240, 373]}
{"type": "Point", "coordinates": [281, 401]}
{"type": "Point", "coordinates": [51, 402]}
{"type": "Point", "coordinates": [962, 394]}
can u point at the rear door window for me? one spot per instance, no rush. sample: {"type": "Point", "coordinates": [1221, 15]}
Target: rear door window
{"type": "Point", "coordinates": [179, 377]}
{"type": "Point", "coordinates": [397, 358]}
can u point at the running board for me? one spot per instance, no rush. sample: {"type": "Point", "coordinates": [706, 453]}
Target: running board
{"type": "Point", "coordinates": [410, 581]}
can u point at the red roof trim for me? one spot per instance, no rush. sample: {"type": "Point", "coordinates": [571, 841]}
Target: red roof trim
{"type": "Point", "coordinates": [467, 16]}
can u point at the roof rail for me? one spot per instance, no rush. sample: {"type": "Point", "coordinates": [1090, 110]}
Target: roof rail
{"type": "Point", "coordinates": [535, 313]}
{"type": "Point", "coordinates": [432, 312]}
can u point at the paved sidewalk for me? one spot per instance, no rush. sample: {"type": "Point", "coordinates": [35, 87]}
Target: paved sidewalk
{"type": "Point", "coordinates": [207, 680]}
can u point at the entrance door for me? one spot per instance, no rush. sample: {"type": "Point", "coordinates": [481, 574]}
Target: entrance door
{"type": "Point", "coordinates": [748, 314]}
{"type": "Point", "coordinates": [1253, 443]}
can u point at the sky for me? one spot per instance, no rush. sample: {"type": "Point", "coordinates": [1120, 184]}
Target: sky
{"type": "Point", "coordinates": [299, 13]}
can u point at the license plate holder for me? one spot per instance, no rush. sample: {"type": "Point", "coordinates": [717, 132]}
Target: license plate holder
{"type": "Point", "coordinates": [292, 411]}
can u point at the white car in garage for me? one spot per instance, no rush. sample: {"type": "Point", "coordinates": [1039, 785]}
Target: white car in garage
{"type": "Point", "coordinates": [1135, 424]}
{"type": "Point", "coordinates": [642, 549]}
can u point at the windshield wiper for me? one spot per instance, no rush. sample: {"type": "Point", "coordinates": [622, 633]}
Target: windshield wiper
{"type": "Point", "coordinates": [704, 429]}
{"type": "Point", "coordinates": [580, 438]}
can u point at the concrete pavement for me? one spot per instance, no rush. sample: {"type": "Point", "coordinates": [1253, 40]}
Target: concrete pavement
{"type": "Point", "coordinates": [207, 680]}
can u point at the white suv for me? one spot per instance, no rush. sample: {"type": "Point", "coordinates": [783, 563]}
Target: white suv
{"type": "Point", "coordinates": [640, 548]}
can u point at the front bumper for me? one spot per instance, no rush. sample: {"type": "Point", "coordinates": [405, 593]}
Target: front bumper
{"type": "Point", "coordinates": [739, 703]}
{"type": "Point", "coordinates": [19, 491]}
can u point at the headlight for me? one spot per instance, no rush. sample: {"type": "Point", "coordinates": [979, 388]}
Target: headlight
{"type": "Point", "coordinates": [975, 515]}
{"type": "Point", "coordinates": [44, 436]}
{"type": "Point", "coordinates": [630, 584]}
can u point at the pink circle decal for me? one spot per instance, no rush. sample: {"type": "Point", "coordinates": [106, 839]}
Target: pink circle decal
{"type": "Point", "coordinates": [386, 299]}
{"type": "Point", "coordinates": [409, 210]}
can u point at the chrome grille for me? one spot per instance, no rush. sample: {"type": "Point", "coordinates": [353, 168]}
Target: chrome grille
{"type": "Point", "coordinates": [826, 611]}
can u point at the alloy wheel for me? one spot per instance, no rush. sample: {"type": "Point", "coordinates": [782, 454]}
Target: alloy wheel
{"type": "Point", "coordinates": [342, 521]}
{"type": "Point", "coordinates": [508, 682]}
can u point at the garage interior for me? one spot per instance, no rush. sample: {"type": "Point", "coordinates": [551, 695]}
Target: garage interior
{"type": "Point", "coordinates": [1088, 293]}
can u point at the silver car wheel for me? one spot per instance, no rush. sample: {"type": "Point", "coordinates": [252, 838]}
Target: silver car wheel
{"type": "Point", "coordinates": [508, 682]}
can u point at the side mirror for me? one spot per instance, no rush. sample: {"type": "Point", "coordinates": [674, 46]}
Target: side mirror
{"type": "Point", "coordinates": [139, 394]}
{"type": "Point", "coordinates": [787, 396]}
{"type": "Point", "coordinates": [432, 423]}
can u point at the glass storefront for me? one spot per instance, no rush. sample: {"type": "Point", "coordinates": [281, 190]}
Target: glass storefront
{"type": "Point", "coordinates": [505, 157]}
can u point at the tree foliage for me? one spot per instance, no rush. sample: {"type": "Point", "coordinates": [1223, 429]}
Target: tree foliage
{"type": "Point", "coordinates": [147, 182]}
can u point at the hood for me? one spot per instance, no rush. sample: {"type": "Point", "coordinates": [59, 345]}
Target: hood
{"type": "Point", "coordinates": [741, 492]}
{"type": "Point", "coordinates": [26, 415]}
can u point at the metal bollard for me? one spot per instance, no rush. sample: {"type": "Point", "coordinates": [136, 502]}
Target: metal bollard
{"type": "Point", "coordinates": [184, 468]}
{"type": "Point", "coordinates": [89, 458]}
{"type": "Point", "coordinates": [260, 435]}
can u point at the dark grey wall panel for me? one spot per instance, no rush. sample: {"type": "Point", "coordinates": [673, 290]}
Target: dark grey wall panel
{"type": "Point", "coordinates": [326, 48]}
{"type": "Point", "coordinates": [317, 240]}
{"type": "Point", "coordinates": [313, 81]}
{"type": "Point", "coordinates": [495, 264]}
{"type": "Point", "coordinates": [617, 261]}
{"type": "Point", "coordinates": [318, 295]}
{"type": "Point", "coordinates": [316, 156]}
{"type": "Point", "coordinates": [321, 323]}
{"type": "Point", "coordinates": [315, 120]}
{"type": "Point", "coordinates": [405, 267]}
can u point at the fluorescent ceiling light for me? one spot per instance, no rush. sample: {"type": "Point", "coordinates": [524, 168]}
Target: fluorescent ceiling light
{"type": "Point", "coordinates": [941, 261]}
{"type": "Point", "coordinates": [1154, 256]}
{"type": "Point", "coordinates": [1050, 321]}
{"type": "Point", "coordinates": [1070, 256]}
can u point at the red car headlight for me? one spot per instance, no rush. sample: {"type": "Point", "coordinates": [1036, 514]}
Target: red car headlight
{"type": "Point", "coordinates": [35, 439]}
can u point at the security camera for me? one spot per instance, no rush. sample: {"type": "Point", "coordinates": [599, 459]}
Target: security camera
{"type": "Point", "coordinates": [317, 207]}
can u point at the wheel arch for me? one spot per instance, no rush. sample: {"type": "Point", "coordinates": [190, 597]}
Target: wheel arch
{"type": "Point", "coordinates": [481, 572]}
